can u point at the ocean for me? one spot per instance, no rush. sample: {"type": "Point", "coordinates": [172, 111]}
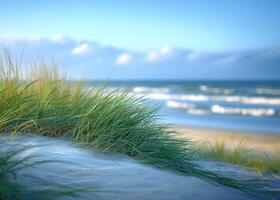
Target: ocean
{"type": "Point", "coordinates": [237, 105]}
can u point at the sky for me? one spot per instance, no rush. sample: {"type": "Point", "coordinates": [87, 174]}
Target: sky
{"type": "Point", "coordinates": [146, 39]}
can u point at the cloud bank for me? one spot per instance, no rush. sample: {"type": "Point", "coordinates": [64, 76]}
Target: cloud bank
{"type": "Point", "coordinates": [92, 60]}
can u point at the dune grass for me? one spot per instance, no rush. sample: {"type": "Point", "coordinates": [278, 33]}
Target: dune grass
{"type": "Point", "coordinates": [240, 154]}
{"type": "Point", "coordinates": [41, 102]}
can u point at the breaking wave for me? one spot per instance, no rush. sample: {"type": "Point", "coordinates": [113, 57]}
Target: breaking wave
{"type": "Point", "coordinates": [140, 89]}
{"type": "Point", "coordinates": [205, 88]}
{"type": "Point", "coordinates": [206, 98]}
{"type": "Point", "coordinates": [257, 112]}
{"type": "Point", "coordinates": [268, 91]}
{"type": "Point", "coordinates": [218, 109]}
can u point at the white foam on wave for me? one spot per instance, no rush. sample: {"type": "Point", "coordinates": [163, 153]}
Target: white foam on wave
{"type": "Point", "coordinates": [242, 111]}
{"type": "Point", "coordinates": [177, 97]}
{"type": "Point", "coordinates": [205, 88]}
{"type": "Point", "coordinates": [140, 89]}
{"type": "Point", "coordinates": [198, 111]}
{"type": "Point", "coordinates": [190, 108]}
{"type": "Point", "coordinates": [217, 109]}
{"type": "Point", "coordinates": [204, 98]}
{"type": "Point", "coordinates": [260, 100]}
{"type": "Point", "coordinates": [174, 104]}
{"type": "Point", "coordinates": [268, 91]}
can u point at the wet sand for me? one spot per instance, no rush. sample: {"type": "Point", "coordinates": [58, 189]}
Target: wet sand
{"type": "Point", "coordinates": [262, 141]}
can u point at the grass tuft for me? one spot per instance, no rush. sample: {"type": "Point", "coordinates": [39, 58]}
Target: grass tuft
{"type": "Point", "coordinates": [240, 154]}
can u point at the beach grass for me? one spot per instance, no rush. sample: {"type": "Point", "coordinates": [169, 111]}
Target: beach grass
{"type": "Point", "coordinates": [42, 102]}
{"type": "Point", "coordinates": [240, 154]}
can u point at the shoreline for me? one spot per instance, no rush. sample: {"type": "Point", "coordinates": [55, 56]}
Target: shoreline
{"type": "Point", "coordinates": [261, 141]}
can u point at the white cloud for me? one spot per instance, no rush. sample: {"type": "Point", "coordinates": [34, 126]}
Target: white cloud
{"type": "Point", "coordinates": [194, 56]}
{"type": "Point", "coordinates": [58, 38]}
{"type": "Point", "coordinates": [123, 59]}
{"type": "Point", "coordinates": [161, 54]}
{"type": "Point", "coordinates": [81, 49]}
{"type": "Point", "coordinates": [70, 56]}
{"type": "Point", "coordinates": [165, 50]}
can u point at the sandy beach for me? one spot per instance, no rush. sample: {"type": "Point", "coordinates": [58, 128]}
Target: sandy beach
{"type": "Point", "coordinates": [261, 141]}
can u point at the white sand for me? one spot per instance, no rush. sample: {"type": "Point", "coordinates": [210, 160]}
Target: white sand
{"type": "Point", "coordinates": [118, 178]}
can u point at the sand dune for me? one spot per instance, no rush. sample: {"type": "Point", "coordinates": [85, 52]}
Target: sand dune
{"type": "Point", "coordinates": [117, 177]}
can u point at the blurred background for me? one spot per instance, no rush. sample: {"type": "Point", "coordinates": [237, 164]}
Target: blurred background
{"type": "Point", "coordinates": [206, 63]}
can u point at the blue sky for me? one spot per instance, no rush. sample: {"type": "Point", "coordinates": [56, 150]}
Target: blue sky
{"type": "Point", "coordinates": [232, 34]}
{"type": "Point", "coordinates": [145, 24]}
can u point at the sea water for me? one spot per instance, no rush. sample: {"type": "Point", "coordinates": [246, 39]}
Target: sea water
{"type": "Point", "coordinates": [238, 105]}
